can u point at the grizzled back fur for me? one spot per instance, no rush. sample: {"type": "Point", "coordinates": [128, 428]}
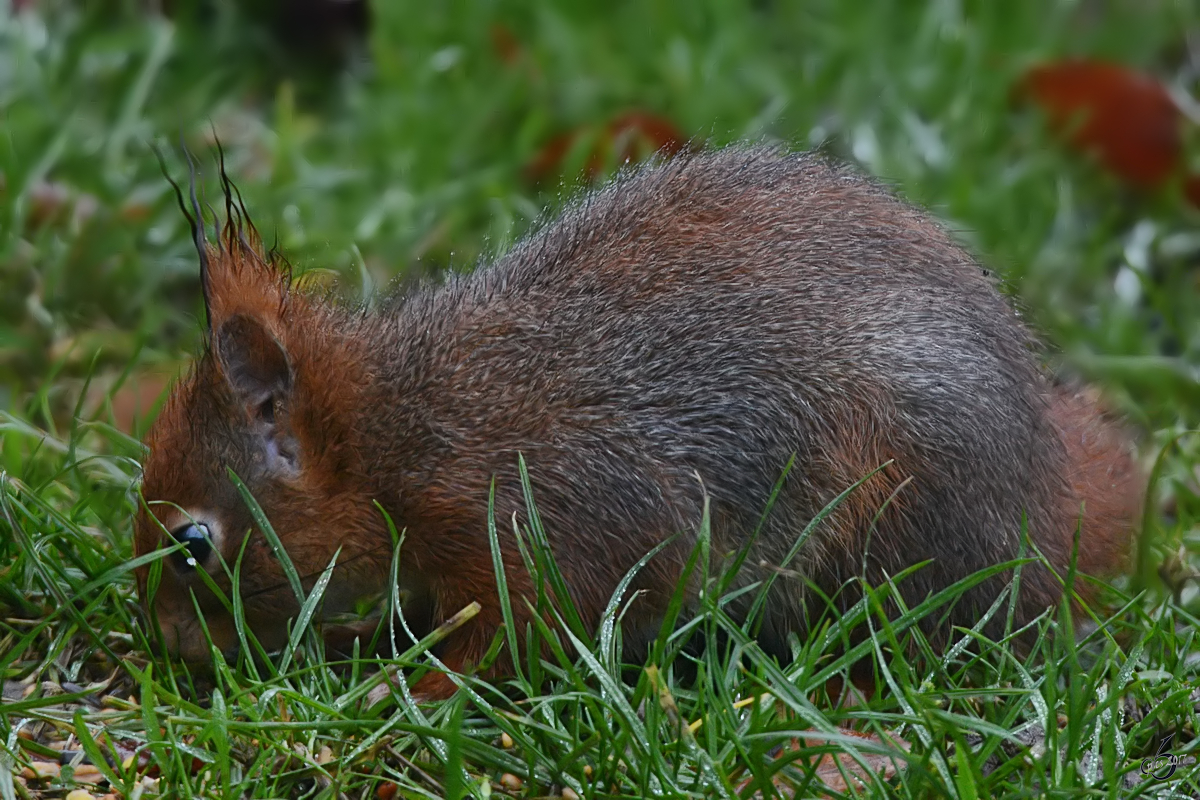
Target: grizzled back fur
{"type": "Point", "coordinates": [677, 335]}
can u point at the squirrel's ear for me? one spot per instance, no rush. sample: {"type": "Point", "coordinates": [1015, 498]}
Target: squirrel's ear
{"type": "Point", "coordinates": [255, 365]}
{"type": "Point", "coordinates": [236, 275]}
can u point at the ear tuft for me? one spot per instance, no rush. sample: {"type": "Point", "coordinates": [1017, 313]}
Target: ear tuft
{"type": "Point", "coordinates": [255, 364]}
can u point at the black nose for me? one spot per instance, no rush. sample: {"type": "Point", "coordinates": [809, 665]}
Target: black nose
{"type": "Point", "coordinates": [196, 542]}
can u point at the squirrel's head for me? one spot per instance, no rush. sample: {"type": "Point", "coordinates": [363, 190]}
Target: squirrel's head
{"type": "Point", "coordinates": [270, 400]}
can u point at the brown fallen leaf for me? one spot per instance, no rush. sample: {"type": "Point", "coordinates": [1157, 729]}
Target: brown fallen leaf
{"type": "Point", "coordinates": [52, 202]}
{"type": "Point", "coordinates": [1191, 189]}
{"type": "Point", "coordinates": [504, 43]}
{"type": "Point", "coordinates": [835, 769]}
{"type": "Point", "coordinates": [632, 136]}
{"type": "Point", "coordinates": [1125, 118]}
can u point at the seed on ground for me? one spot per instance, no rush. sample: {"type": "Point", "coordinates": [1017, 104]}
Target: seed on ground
{"type": "Point", "coordinates": [38, 770]}
{"type": "Point", "coordinates": [88, 773]}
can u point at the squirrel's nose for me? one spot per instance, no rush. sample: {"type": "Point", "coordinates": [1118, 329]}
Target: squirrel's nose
{"type": "Point", "coordinates": [197, 545]}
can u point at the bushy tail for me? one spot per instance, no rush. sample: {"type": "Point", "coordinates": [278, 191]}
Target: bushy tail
{"type": "Point", "coordinates": [1104, 478]}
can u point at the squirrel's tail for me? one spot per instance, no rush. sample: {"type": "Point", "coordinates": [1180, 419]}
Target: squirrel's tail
{"type": "Point", "coordinates": [1104, 480]}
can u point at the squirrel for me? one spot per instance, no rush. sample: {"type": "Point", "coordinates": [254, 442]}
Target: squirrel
{"type": "Point", "coordinates": [668, 344]}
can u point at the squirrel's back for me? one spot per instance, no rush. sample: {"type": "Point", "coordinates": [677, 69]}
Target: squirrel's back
{"type": "Point", "coordinates": [687, 330]}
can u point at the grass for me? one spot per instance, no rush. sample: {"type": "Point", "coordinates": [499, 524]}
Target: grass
{"type": "Point", "coordinates": [410, 157]}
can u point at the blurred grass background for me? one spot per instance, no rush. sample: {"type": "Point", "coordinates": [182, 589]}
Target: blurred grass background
{"type": "Point", "coordinates": [404, 147]}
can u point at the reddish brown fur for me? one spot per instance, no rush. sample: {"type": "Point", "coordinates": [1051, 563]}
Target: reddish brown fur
{"type": "Point", "coordinates": [1106, 483]}
{"type": "Point", "coordinates": [670, 342]}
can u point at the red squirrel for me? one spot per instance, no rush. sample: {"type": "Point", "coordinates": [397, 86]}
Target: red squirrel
{"type": "Point", "coordinates": [673, 339]}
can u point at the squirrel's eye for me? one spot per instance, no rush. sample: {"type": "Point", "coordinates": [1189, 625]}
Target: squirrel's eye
{"type": "Point", "coordinates": [197, 545]}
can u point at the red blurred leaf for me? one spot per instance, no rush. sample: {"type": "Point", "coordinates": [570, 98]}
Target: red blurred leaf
{"type": "Point", "coordinates": [1191, 189]}
{"type": "Point", "coordinates": [631, 136]}
{"type": "Point", "coordinates": [1126, 119]}
{"type": "Point", "coordinates": [639, 134]}
{"type": "Point", "coordinates": [504, 43]}
{"type": "Point", "coordinates": [548, 160]}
